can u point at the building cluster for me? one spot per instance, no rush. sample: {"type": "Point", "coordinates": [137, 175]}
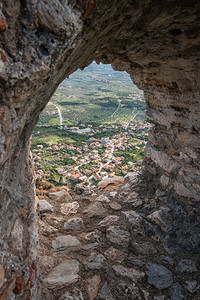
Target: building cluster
{"type": "Point", "coordinates": [93, 160]}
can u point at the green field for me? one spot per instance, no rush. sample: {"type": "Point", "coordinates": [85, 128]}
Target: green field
{"type": "Point", "coordinates": [92, 95]}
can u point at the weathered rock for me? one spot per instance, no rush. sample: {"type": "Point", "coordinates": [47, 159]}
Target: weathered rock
{"type": "Point", "coordinates": [108, 221]}
{"type": "Point", "coordinates": [128, 291]}
{"type": "Point", "coordinates": [46, 294]}
{"type": "Point", "coordinates": [186, 266]}
{"type": "Point", "coordinates": [159, 276]}
{"type": "Point", "coordinates": [185, 191]}
{"type": "Point", "coordinates": [160, 193]}
{"type": "Point", "coordinates": [46, 261]}
{"type": "Point", "coordinates": [115, 255]}
{"type": "Point", "coordinates": [17, 235]}
{"type": "Point", "coordinates": [46, 229]}
{"type": "Point", "coordinates": [192, 286]}
{"type": "Point", "coordinates": [45, 206]}
{"type": "Point", "coordinates": [134, 219]}
{"type": "Point", "coordinates": [113, 194]}
{"type": "Point", "coordinates": [95, 261]}
{"type": "Point", "coordinates": [162, 297]}
{"type": "Point", "coordinates": [2, 275]}
{"type": "Point", "coordinates": [144, 248]}
{"type": "Point", "coordinates": [146, 209]}
{"type": "Point", "coordinates": [133, 274]}
{"type": "Point", "coordinates": [136, 261]}
{"type": "Point", "coordinates": [177, 293]}
{"type": "Point", "coordinates": [137, 203]}
{"type": "Point", "coordinates": [91, 236]}
{"type": "Point", "coordinates": [161, 218]}
{"type": "Point", "coordinates": [133, 178]}
{"type": "Point", "coordinates": [91, 246]}
{"type": "Point", "coordinates": [73, 224]}
{"type": "Point", "coordinates": [160, 158]}
{"type": "Point", "coordinates": [80, 189]}
{"type": "Point", "coordinates": [131, 198]}
{"type": "Point", "coordinates": [115, 206]}
{"type": "Point", "coordinates": [58, 219]}
{"type": "Point", "coordinates": [69, 208]}
{"type": "Point", "coordinates": [64, 242]}
{"type": "Point", "coordinates": [145, 294]}
{"type": "Point", "coordinates": [102, 198]}
{"type": "Point", "coordinates": [117, 235]}
{"type": "Point", "coordinates": [75, 295]}
{"type": "Point", "coordinates": [92, 286]}
{"type": "Point", "coordinates": [111, 184]}
{"type": "Point", "coordinates": [60, 196]}
{"type": "Point", "coordinates": [125, 187]}
{"type": "Point", "coordinates": [167, 260]}
{"type": "Point", "coordinates": [164, 180]}
{"type": "Point", "coordinates": [62, 275]}
{"type": "Point", "coordinates": [105, 292]}
{"type": "Point", "coordinates": [95, 209]}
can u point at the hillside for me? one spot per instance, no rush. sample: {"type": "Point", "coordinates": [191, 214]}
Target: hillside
{"type": "Point", "coordinates": [93, 95]}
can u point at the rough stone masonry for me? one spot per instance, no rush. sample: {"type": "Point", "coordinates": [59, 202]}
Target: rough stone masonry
{"type": "Point", "coordinates": [41, 43]}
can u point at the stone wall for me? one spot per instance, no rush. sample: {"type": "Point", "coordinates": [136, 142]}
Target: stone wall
{"type": "Point", "coordinates": [41, 43]}
{"type": "Point", "coordinates": [172, 152]}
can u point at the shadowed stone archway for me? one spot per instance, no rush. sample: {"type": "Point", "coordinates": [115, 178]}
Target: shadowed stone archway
{"type": "Point", "coordinates": [41, 43]}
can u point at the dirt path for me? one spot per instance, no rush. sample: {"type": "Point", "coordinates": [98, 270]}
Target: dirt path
{"type": "Point", "coordinates": [128, 244]}
{"type": "Point", "coordinates": [59, 113]}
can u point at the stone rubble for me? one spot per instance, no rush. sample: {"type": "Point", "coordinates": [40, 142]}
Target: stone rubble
{"type": "Point", "coordinates": [192, 286]}
{"type": "Point", "coordinates": [63, 275]}
{"type": "Point", "coordinates": [177, 292]}
{"type": "Point", "coordinates": [60, 196]}
{"type": "Point", "coordinates": [186, 266]}
{"type": "Point", "coordinates": [46, 229]}
{"type": "Point", "coordinates": [133, 274]}
{"type": "Point", "coordinates": [92, 286]}
{"type": "Point", "coordinates": [73, 224]}
{"type": "Point", "coordinates": [69, 208]}
{"type": "Point", "coordinates": [111, 184]}
{"type": "Point", "coordinates": [2, 275]}
{"type": "Point", "coordinates": [64, 242]}
{"type": "Point", "coordinates": [102, 198]}
{"type": "Point", "coordinates": [162, 297]}
{"type": "Point", "coordinates": [117, 235]}
{"type": "Point", "coordinates": [115, 206]}
{"type": "Point", "coordinates": [75, 295]}
{"type": "Point", "coordinates": [113, 194]}
{"type": "Point", "coordinates": [45, 206]}
{"type": "Point", "coordinates": [90, 250]}
{"type": "Point", "coordinates": [167, 260]}
{"type": "Point", "coordinates": [159, 276]}
{"type": "Point", "coordinates": [95, 261]}
{"type": "Point", "coordinates": [95, 209]}
{"type": "Point", "coordinates": [115, 255]}
{"type": "Point", "coordinates": [108, 221]}
{"type": "Point", "coordinates": [105, 292]}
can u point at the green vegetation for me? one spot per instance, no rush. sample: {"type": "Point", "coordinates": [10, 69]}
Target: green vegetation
{"type": "Point", "coordinates": [94, 93]}
{"type": "Point", "coordinates": [103, 126]}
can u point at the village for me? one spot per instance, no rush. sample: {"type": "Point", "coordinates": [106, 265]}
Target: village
{"type": "Point", "coordinates": [93, 128]}
{"type": "Point", "coordinates": [106, 151]}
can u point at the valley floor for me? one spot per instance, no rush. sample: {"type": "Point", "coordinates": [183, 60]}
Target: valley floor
{"type": "Point", "coordinates": [131, 243]}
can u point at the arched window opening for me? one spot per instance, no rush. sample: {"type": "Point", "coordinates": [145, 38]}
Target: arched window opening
{"type": "Point", "coordinates": [94, 127]}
